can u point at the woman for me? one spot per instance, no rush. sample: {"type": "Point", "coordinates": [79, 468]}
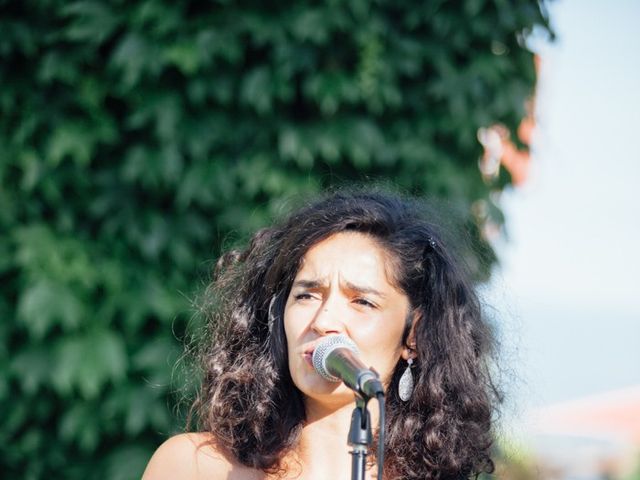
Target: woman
{"type": "Point", "coordinates": [364, 265]}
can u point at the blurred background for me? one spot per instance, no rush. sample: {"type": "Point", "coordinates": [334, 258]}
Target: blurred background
{"type": "Point", "coordinates": [567, 284]}
{"type": "Point", "coordinates": [139, 139]}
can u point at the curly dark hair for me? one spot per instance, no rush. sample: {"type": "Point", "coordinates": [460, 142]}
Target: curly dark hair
{"type": "Point", "coordinates": [248, 400]}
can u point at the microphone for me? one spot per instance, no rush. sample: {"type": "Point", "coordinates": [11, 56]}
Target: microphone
{"type": "Point", "coordinates": [335, 358]}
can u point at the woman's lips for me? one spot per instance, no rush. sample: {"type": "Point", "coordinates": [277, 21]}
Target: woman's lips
{"type": "Point", "coordinates": [308, 355]}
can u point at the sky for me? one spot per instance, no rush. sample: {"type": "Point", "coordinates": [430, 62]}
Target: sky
{"type": "Point", "coordinates": [568, 290]}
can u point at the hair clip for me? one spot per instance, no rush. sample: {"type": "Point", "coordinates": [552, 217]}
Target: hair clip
{"type": "Point", "coordinates": [430, 246]}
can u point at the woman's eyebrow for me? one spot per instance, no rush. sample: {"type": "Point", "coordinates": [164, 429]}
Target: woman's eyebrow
{"type": "Point", "coordinates": [308, 283]}
{"type": "Point", "coordinates": [363, 289]}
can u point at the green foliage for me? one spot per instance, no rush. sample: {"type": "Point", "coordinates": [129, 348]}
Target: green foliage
{"type": "Point", "coordinates": [634, 474]}
{"type": "Point", "coordinates": [137, 138]}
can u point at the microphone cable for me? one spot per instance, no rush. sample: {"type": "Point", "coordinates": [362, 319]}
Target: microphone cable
{"type": "Point", "coordinates": [381, 424]}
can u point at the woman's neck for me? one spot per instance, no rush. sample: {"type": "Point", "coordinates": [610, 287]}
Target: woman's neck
{"type": "Point", "coordinates": [323, 450]}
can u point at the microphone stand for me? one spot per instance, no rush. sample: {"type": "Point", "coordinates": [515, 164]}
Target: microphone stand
{"type": "Point", "coordinates": [360, 438]}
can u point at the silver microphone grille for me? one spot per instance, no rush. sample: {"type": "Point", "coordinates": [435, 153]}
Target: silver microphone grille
{"type": "Point", "coordinates": [324, 348]}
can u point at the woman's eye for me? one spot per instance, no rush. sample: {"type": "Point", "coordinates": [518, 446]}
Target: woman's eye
{"type": "Point", "coordinates": [364, 302]}
{"type": "Point", "coordinates": [303, 296]}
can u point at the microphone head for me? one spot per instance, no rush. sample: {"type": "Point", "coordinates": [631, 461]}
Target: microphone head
{"type": "Point", "coordinates": [324, 348]}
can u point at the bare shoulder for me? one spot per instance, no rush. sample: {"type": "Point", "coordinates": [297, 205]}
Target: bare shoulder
{"type": "Point", "coordinates": [191, 456]}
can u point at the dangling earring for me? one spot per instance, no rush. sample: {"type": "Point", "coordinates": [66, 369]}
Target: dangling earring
{"type": "Point", "coordinates": [405, 386]}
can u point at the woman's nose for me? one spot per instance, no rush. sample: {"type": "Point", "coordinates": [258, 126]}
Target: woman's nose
{"type": "Point", "coordinates": [328, 319]}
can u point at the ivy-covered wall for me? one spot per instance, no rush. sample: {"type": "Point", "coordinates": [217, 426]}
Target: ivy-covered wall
{"type": "Point", "coordinates": [139, 137]}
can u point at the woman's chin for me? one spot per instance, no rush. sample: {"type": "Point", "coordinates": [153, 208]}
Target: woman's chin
{"type": "Point", "coordinates": [320, 390]}
{"type": "Point", "coordinates": [331, 394]}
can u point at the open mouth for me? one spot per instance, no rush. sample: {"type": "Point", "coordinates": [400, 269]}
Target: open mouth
{"type": "Point", "coordinates": [308, 355]}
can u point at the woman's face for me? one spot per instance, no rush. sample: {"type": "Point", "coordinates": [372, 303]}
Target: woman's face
{"type": "Point", "coordinates": [343, 287]}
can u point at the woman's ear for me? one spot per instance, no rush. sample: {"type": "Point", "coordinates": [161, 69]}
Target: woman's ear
{"type": "Point", "coordinates": [409, 349]}
{"type": "Point", "coordinates": [408, 353]}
